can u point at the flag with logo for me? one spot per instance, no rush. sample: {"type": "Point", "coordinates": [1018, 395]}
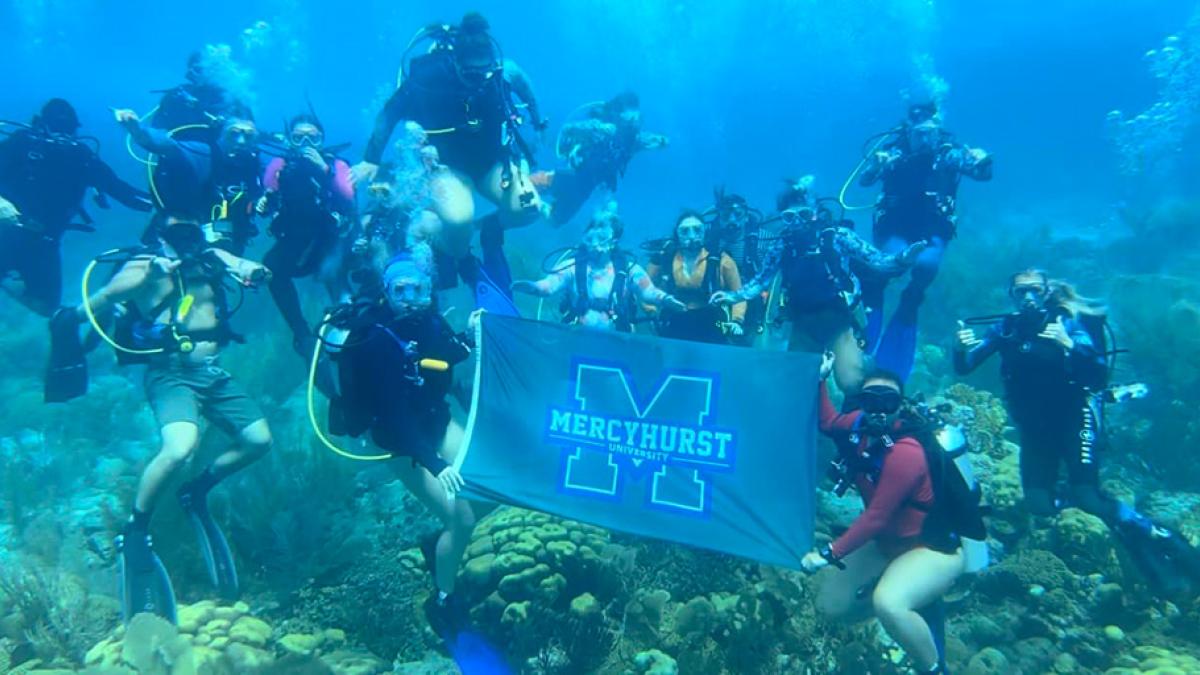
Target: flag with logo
{"type": "Point", "coordinates": [706, 445]}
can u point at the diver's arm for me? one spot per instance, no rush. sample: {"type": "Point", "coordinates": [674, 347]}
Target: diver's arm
{"type": "Point", "coordinates": [646, 291]}
{"type": "Point", "coordinates": [876, 164]}
{"type": "Point", "coordinates": [973, 163]}
{"type": "Point", "coordinates": [852, 246]}
{"type": "Point", "coordinates": [731, 280]}
{"type": "Point", "coordinates": [1085, 361]}
{"type": "Point", "coordinates": [903, 469]}
{"type": "Point", "coordinates": [649, 141]}
{"type": "Point", "coordinates": [523, 88]}
{"type": "Point", "coordinates": [245, 271]}
{"type": "Point", "coordinates": [967, 360]}
{"type": "Point", "coordinates": [153, 139]}
{"type": "Point", "coordinates": [829, 419]}
{"type": "Point", "coordinates": [104, 179]}
{"type": "Point", "coordinates": [549, 285]}
{"type": "Point", "coordinates": [125, 285]}
{"type": "Point", "coordinates": [393, 111]}
{"type": "Point", "coordinates": [770, 267]}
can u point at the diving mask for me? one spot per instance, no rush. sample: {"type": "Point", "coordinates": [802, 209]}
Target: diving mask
{"type": "Point", "coordinates": [306, 139]}
{"type": "Point", "coordinates": [1029, 296]}
{"type": "Point", "coordinates": [599, 241]}
{"type": "Point", "coordinates": [879, 400]}
{"type": "Point", "coordinates": [690, 234]}
{"type": "Point", "coordinates": [797, 216]}
{"type": "Point", "coordinates": [407, 287]}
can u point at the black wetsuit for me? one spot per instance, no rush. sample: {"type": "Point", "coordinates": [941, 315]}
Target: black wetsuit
{"type": "Point", "coordinates": [306, 231]}
{"type": "Point", "coordinates": [384, 390]}
{"type": "Point", "coordinates": [46, 178]}
{"type": "Point", "coordinates": [465, 123]}
{"type": "Point", "coordinates": [195, 182]}
{"type": "Point", "coordinates": [604, 162]}
{"type": "Point", "coordinates": [190, 105]}
{"type": "Point", "coordinates": [1053, 398]}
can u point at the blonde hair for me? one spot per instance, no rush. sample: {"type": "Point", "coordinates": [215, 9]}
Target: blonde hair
{"type": "Point", "coordinates": [1061, 294]}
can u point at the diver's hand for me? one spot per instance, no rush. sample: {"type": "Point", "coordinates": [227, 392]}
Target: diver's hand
{"type": "Point", "coordinates": [127, 118]}
{"type": "Point", "coordinates": [262, 205]}
{"type": "Point", "coordinates": [363, 172]}
{"type": "Point", "coordinates": [722, 299]}
{"type": "Point", "coordinates": [473, 320]}
{"type": "Point", "coordinates": [313, 155]}
{"type": "Point", "coordinates": [827, 361]}
{"type": "Point", "coordinates": [736, 329]}
{"type": "Point", "coordinates": [813, 561]}
{"type": "Point", "coordinates": [1057, 332]}
{"type": "Point", "coordinates": [8, 212]}
{"type": "Point", "coordinates": [251, 273]}
{"type": "Point", "coordinates": [672, 304]}
{"type": "Point", "coordinates": [162, 267]}
{"type": "Point", "coordinates": [909, 257]}
{"type": "Point", "coordinates": [965, 339]}
{"type": "Point", "coordinates": [451, 480]}
{"type": "Point", "coordinates": [526, 287]}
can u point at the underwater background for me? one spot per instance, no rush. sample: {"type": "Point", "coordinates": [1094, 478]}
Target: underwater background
{"type": "Point", "coordinates": [1089, 107]}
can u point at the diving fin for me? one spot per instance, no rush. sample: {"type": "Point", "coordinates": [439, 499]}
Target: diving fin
{"type": "Point", "coordinates": [145, 584]}
{"type": "Point", "coordinates": [66, 372]}
{"type": "Point", "coordinates": [472, 652]}
{"type": "Point", "coordinates": [490, 298]}
{"type": "Point", "coordinates": [218, 559]}
{"type": "Point", "coordinates": [1169, 562]}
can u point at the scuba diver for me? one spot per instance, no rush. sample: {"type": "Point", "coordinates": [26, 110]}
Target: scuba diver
{"type": "Point", "coordinates": [814, 254]}
{"type": "Point", "coordinates": [395, 372]}
{"type": "Point", "coordinates": [192, 107]}
{"type": "Point", "coordinates": [1055, 364]}
{"type": "Point", "coordinates": [688, 269]}
{"type": "Point", "coordinates": [596, 151]}
{"type": "Point", "coordinates": [46, 169]}
{"type": "Point", "coordinates": [908, 547]}
{"type": "Point", "coordinates": [311, 193]}
{"type": "Point", "coordinates": [176, 322]}
{"type": "Point", "coordinates": [604, 284]}
{"type": "Point", "coordinates": [461, 92]}
{"type": "Point", "coordinates": [215, 183]}
{"type": "Point", "coordinates": [920, 166]}
{"type": "Point", "coordinates": [737, 228]}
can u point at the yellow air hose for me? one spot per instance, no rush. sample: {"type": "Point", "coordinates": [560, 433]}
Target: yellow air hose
{"type": "Point", "coordinates": [91, 316]}
{"type": "Point", "coordinates": [854, 174]}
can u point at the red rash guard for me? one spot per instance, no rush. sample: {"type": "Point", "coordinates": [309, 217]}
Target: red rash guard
{"type": "Point", "coordinates": [890, 516]}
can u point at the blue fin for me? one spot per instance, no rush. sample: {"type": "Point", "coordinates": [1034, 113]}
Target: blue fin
{"type": "Point", "coordinates": [145, 584]}
{"type": "Point", "coordinates": [491, 298]}
{"type": "Point", "coordinates": [476, 656]}
{"type": "Point", "coordinates": [218, 559]}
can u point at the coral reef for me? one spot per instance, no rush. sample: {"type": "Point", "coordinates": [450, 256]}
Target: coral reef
{"type": "Point", "coordinates": [220, 639]}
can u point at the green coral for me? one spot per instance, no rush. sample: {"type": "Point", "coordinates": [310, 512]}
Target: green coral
{"type": "Point", "coordinates": [534, 580]}
{"type": "Point", "coordinates": [1084, 543]}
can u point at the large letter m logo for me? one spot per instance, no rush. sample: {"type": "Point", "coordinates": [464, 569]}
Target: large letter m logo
{"type": "Point", "coordinates": [609, 434]}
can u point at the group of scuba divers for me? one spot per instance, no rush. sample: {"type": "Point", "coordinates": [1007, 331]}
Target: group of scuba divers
{"type": "Point", "coordinates": [385, 354]}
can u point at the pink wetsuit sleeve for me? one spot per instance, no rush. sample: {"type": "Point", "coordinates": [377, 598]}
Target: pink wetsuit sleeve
{"type": "Point", "coordinates": [899, 479]}
{"type": "Point", "coordinates": [830, 418]}
{"type": "Point", "coordinates": [343, 181]}
{"type": "Point", "coordinates": [271, 176]}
